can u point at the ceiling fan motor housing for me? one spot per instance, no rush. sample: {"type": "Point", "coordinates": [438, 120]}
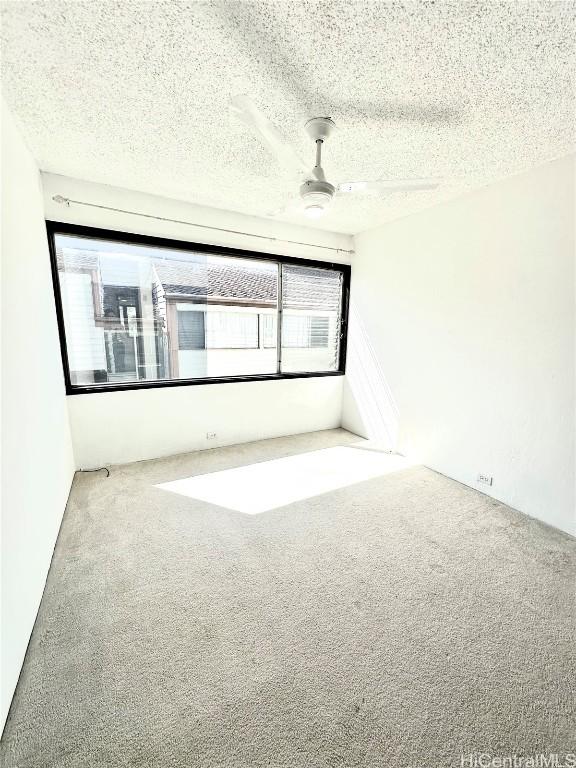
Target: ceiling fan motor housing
{"type": "Point", "coordinates": [315, 192]}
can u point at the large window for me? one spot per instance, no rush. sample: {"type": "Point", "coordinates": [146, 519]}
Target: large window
{"type": "Point", "coordinates": [138, 312]}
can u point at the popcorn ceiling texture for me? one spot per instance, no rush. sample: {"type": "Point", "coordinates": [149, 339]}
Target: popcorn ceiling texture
{"type": "Point", "coordinates": [136, 94]}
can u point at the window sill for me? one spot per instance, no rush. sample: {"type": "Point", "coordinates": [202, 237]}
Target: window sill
{"type": "Point", "coordinates": [91, 389]}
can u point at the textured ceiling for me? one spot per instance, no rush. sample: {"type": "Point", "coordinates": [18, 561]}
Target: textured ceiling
{"type": "Point", "coordinates": [136, 94]}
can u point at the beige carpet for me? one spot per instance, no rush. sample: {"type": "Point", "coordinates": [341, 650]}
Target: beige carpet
{"type": "Point", "coordinates": [400, 621]}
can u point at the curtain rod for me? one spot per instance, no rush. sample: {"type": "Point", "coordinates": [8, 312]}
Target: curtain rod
{"type": "Point", "coordinates": [60, 199]}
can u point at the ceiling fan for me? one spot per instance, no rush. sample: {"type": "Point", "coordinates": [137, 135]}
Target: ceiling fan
{"type": "Point", "coordinates": [316, 193]}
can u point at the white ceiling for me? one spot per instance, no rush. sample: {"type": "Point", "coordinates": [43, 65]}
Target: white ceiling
{"type": "Point", "coordinates": [136, 94]}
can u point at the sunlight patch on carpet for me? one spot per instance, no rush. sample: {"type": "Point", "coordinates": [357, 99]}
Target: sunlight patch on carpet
{"type": "Point", "coordinates": [267, 485]}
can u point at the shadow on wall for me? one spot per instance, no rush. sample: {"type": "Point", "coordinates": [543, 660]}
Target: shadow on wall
{"type": "Point", "coordinates": [369, 406]}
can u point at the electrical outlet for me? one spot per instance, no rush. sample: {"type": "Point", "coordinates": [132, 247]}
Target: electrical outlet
{"type": "Point", "coordinates": [485, 479]}
{"type": "Point", "coordinates": [210, 435]}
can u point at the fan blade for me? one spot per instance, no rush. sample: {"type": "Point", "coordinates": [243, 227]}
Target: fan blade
{"type": "Point", "coordinates": [245, 109]}
{"type": "Point", "coordinates": [388, 185]}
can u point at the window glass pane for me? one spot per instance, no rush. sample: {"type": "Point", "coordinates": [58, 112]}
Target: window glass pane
{"type": "Point", "coordinates": [269, 332]}
{"type": "Point", "coordinates": [311, 306]}
{"type": "Point", "coordinates": [232, 330]}
{"type": "Point", "coordinates": [296, 331]}
{"type": "Point", "coordinates": [139, 313]}
{"type": "Point", "coordinates": [319, 331]}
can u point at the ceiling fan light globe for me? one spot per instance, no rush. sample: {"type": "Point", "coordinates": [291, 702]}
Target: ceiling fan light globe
{"type": "Point", "coordinates": [316, 194]}
{"type": "Point", "coordinates": [314, 211]}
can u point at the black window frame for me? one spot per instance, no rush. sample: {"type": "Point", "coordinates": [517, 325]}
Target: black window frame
{"type": "Point", "coordinates": [54, 228]}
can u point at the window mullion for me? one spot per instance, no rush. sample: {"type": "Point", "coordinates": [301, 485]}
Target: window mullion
{"type": "Point", "coordinates": [279, 320]}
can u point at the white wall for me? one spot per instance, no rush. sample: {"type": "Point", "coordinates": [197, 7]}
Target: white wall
{"type": "Point", "coordinates": [37, 462]}
{"type": "Point", "coordinates": [116, 427]}
{"type": "Point", "coordinates": [462, 340]}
